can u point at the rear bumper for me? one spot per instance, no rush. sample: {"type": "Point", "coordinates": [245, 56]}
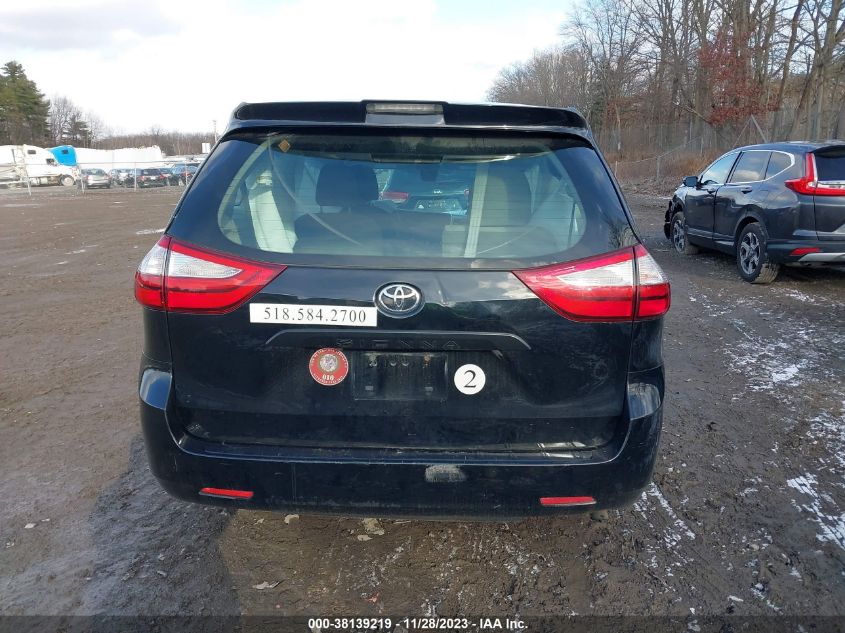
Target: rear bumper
{"type": "Point", "coordinates": [394, 483]}
{"type": "Point", "coordinates": [824, 252]}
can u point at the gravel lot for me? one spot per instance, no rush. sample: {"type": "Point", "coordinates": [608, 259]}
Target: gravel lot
{"type": "Point", "coordinates": [746, 514]}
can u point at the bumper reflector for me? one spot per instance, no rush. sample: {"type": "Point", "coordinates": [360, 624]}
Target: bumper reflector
{"type": "Point", "coordinates": [796, 252]}
{"type": "Point", "coordinates": [225, 493]}
{"type": "Point", "coordinates": [567, 501]}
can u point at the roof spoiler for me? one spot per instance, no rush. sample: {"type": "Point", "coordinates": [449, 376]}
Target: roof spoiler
{"type": "Point", "coordinates": [407, 113]}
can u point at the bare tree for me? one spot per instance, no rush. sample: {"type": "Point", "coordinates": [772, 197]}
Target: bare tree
{"type": "Point", "coordinates": [555, 77]}
{"type": "Point", "coordinates": [652, 73]}
{"type": "Point", "coordinates": [97, 127]}
{"type": "Point", "coordinates": [610, 36]}
{"type": "Point", "coordinates": [825, 26]}
{"type": "Point", "coordinates": [63, 113]}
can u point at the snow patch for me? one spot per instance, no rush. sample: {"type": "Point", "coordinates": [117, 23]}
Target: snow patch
{"type": "Point", "coordinates": [677, 529]}
{"type": "Point", "coordinates": [805, 298]}
{"type": "Point", "coordinates": [830, 429]}
{"type": "Point", "coordinates": [759, 594]}
{"type": "Point", "coordinates": [785, 373]}
{"type": "Point", "coordinates": [831, 525]}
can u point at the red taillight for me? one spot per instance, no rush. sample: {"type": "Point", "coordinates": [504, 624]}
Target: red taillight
{"type": "Point", "coordinates": [829, 189]}
{"type": "Point", "coordinates": [567, 501]}
{"type": "Point", "coordinates": [149, 278]}
{"type": "Point", "coordinates": [395, 196]}
{"type": "Point", "coordinates": [654, 295]}
{"type": "Point", "coordinates": [226, 493]}
{"type": "Point", "coordinates": [182, 278]}
{"type": "Point", "coordinates": [603, 288]}
{"type": "Point", "coordinates": [806, 250]}
{"type": "Point", "coordinates": [808, 184]}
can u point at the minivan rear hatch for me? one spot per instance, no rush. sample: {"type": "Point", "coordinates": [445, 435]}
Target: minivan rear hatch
{"type": "Point", "coordinates": [502, 326]}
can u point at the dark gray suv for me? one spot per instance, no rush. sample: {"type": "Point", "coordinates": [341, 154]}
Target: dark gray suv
{"type": "Point", "coordinates": [769, 205]}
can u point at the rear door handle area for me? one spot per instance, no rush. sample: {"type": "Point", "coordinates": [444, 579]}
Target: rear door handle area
{"type": "Point", "coordinates": [746, 189]}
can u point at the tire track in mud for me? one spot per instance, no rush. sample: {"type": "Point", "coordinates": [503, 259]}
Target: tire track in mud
{"type": "Point", "coordinates": [781, 380]}
{"type": "Point", "coordinates": [798, 364]}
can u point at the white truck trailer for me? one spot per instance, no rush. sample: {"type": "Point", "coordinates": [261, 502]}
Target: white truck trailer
{"type": "Point", "coordinates": [19, 163]}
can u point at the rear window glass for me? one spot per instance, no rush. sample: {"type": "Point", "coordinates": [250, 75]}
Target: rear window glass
{"type": "Point", "coordinates": [443, 200]}
{"type": "Point", "coordinates": [831, 165]}
{"type": "Point", "coordinates": [750, 167]}
{"type": "Point", "coordinates": [777, 163]}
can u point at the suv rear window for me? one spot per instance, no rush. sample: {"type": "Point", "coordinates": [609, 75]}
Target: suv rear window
{"type": "Point", "coordinates": [831, 165]}
{"type": "Point", "coordinates": [445, 200]}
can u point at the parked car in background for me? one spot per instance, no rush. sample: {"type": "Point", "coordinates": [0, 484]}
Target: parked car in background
{"type": "Point", "coordinates": [93, 178]}
{"type": "Point", "coordinates": [310, 346]}
{"type": "Point", "coordinates": [146, 177]}
{"type": "Point", "coordinates": [431, 188]}
{"type": "Point", "coordinates": [768, 205]}
{"type": "Point", "coordinates": [119, 175]}
{"type": "Point", "coordinates": [181, 174]}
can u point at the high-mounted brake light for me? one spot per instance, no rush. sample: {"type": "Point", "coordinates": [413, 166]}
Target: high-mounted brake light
{"type": "Point", "coordinates": [181, 278]}
{"type": "Point", "coordinates": [620, 286]}
{"type": "Point", "coordinates": [404, 108]}
{"type": "Point", "coordinates": [808, 184]}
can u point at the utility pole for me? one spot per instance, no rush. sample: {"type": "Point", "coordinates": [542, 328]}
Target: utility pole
{"type": "Point", "coordinates": [214, 123]}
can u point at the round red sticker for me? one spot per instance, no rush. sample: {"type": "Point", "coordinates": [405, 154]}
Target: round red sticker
{"type": "Point", "coordinates": [328, 366]}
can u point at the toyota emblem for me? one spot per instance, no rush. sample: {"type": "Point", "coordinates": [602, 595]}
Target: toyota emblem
{"type": "Point", "coordinates": [399, 300]}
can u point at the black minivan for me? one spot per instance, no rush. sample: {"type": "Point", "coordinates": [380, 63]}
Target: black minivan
{"type": "Point", "coordinates": [311, 345]}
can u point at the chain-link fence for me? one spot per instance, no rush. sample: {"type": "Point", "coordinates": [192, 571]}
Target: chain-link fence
{"type": "Point", "coordinates": [135, 175]}
{"type": "Point", "coordinates": [678, 161]}
{"type": "Point", "coordinates": [84, 177]}
{"type": "Point", "coordinates": [675, 149]}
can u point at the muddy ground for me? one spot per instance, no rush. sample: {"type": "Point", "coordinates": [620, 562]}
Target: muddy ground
{"type": "Point", "coordinates": [746, 514]}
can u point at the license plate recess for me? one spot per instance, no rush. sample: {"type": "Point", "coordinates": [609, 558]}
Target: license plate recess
{"type": "Point", "coordinates": [398, 376]}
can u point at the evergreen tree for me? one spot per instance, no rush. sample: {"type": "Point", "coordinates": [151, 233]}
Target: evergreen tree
{"type": "Point", "coordinates": [23, 108]}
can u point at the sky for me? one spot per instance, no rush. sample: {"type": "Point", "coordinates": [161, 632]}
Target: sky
{"type": "Point", "coordinates": [181, 64]}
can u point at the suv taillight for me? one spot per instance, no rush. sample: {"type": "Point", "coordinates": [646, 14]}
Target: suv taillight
{"type": "Point", "coordinates": [808, 184]}
{"type": "Point", "coordinates": [181, 278]}
{"type": "Point", "coordinates": [620, 286]}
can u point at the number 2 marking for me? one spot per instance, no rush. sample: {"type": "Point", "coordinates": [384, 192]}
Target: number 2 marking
{"type": "Point", "coordinates": [469, 379]}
